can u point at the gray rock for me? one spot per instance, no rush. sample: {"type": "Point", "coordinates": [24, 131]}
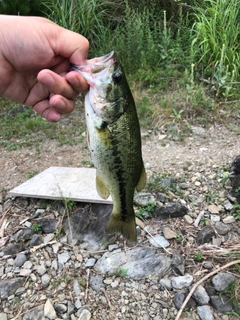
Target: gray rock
{"type": "Point", "coordinates": [205, 235]}
{"type": "Point", "coordinates": [166, 283]}
{"type": "Point", "coordinates": [138, 262]}
{"type": "Point", "coordinates": [90, 262]}
{"type": "Point", "coordinates": [23, 234]}
{"type": "Point", "coordinates": [179, 298]}
{"type": "Point", "coordinates": [221, 303]}
{"type": "Point", "coordinates": [49, 311]}
{"type": "Point", "coordinates": [199, 131]}
{"type": "Point", "coordinates": [9, 287]}
{"type": "Point", "coordinates": [36, 240]}
{"type": "Point", "coordinates": [78, 304]}
{"type": "Point", "coordinates": [38, 213]}
{"type": "Point", "coordinates": [76, 288]}
{"type": "Point", "coordinates": [27, 265]}
{"type": "Point", "coordinates": [172, 210]}
{"type": "Point", "coordinates": [162, 197]}
{"type": "Point", "coordinates": [41, 270]}
{"type": "Point", "coordinates": [60, 307]}
{"type": "Point", "coordinates": [210, 290]}
{"type": "Point", "coordinates": [205, 313]}
{"type": "Point", "coordinates": [183, 186]}
{"type": "Point", "coordinates": [208, 265]}
{"type": "Point", "coordinates": [217, 241]}
{"type": "Point", "coordinates": [215, 218]}
{"type": "Point", "coordinates": [70, 308]}
{"type": "Point", "coordinates": [222, 280]}
{"type": "Point", "coordinates": [159, 241]}
{"type": "Point", "coordinates": [20, 260]}
{"type": "Point", "coordinates": [228, 206]}
{"type": "Point", "coordinates": [13, 248]}
{"type": "Point", "coordinates": [63, 257]}
{"type": "Point", "coordinates": [48, 225]}
{"type": "Point", "coordinates": [182, 281]}
{"type": "Point", "coordinates": [167, 182]}
{"type": "Point", "coordinates": [178, 263]}
{"type": "Point", "coordinates": [85, 315]}
{"type": "Point", "coordinates": [200, 295]}
{"type": "Point", "coordinates": [3, 316]}
{"type": "Point", "coordinates": [36, 314]}
{"type": "Point", "coordinates": [96, 282]}
{"type": "Point", "coordinates": [45, 280]}
{"type": "Point", "coordinates": [142, 199]}
{"type": "Point", "coordinates": [87, 226]}
{"type": "Point", "coordinates": [222, 228]}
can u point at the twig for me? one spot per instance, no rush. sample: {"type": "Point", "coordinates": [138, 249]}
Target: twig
{"type": "Point", "coordinates": [28, 251]}
{"type": "Point", "coordinates": [196, 222]}
{"type": "Point", "coordinates": [145, 229]}
{"type": "Point", "coordinates": [106, 296]}
{"type": "Point", "coordinates": [87, 285]}
{"type": "Point", "coordinates": [4, 223]}
{"type": "Point", "coordinates": [19, 314]}
{"type": "Point", "coordinates": [199, 282]}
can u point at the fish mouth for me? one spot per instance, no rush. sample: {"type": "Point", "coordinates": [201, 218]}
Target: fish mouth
{"type": "Point", "coordinates": [95, 65]}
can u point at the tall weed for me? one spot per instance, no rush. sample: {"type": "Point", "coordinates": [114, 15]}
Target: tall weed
{"type": "Point", "coordinates": [215, 45]}
{"type": "Point", "coordinates": [91, 18]}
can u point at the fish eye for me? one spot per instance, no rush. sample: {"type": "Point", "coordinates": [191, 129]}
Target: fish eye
{"type": "Point", "coordinates": [117, 77]}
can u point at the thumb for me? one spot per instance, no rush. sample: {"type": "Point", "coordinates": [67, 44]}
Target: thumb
{"type": "Point", "coordinates": [72, 45]}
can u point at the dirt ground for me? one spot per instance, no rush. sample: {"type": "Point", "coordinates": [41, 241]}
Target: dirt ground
{"type": "Point", "coordinates": [216, 145]}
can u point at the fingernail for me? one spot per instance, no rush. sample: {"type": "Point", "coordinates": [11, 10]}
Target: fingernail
{"type": "Point", "coordinates": [47, 80]}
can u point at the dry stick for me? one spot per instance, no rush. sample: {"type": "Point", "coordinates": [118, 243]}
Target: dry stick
{"type": "Point", "coordinates": [28, 251]}
{"type": "Point", "coordinates": [199, 282]}
{"type": "Point", "coordinates": [87, 285]}
{"type": "Point", "coordinates": [106, 296]}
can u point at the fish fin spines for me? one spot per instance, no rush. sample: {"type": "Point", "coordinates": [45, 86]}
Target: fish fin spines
{"type": "Point", "coordinates": [142, 180]}
{"type": "Point", "coordinates": [126, 228]}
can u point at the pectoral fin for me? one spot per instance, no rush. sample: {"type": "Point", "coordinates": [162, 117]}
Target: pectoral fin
{"type": "Point", "coordinates": [142, 180]}
{"type": "Point", "coordinates": [101, 188]}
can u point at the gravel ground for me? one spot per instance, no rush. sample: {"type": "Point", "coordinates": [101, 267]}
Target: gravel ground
{"type": "Point", "coordinates": [44, 275]}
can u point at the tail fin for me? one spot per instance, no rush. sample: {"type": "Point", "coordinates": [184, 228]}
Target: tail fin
{"type": "Point", "coordinates": [126, 228]}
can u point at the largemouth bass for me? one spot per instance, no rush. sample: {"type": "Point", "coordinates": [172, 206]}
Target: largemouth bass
{"type": "Point", "coordinates": [114, 140]}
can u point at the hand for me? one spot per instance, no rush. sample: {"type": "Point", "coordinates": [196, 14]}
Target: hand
{"type": "Point", "coordinates": [35, 58]}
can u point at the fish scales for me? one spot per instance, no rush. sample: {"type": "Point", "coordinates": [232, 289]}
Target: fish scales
{"type": "Point", "coordinates": [114, 140]}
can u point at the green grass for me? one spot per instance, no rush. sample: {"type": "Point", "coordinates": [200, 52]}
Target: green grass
{"type": "Point", "coordinates": [22, 127]}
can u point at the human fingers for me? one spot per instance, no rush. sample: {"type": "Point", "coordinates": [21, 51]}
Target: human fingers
{"type": "Point", "coordinates": [44, 109]}
{"type": "Point", "coordinates": [56, 84]}
{"type": "Point", "coordinates": [61, 104]}
{"type": "Point", "coordinates": [53, 109]}
{"type": "Point", "coordinates": [71, 45]}
{"type": "Point", "coordinates": [77, 81]}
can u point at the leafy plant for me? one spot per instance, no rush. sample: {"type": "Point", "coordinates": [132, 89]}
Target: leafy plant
{"type": "Point", "coordinates": [149, 208]}
{"type": "Point", "coordinates": [69, 204]}
{"type": "Point", "coordinates": [237, 191]}
{"type": "Point", "coordinates": [121, 272]}
{"type": "Point", "coordinates": [203, 220]}
{"type": "Point", "coordinates": [198, 256]}
{"type": "Point", "coordinates": [236, 211]}
{"type": "Point", "coordinates": [36, 227]}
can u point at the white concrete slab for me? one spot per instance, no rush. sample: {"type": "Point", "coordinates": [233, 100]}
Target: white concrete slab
{"type": "Point", "coordinates": [77, 184]}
